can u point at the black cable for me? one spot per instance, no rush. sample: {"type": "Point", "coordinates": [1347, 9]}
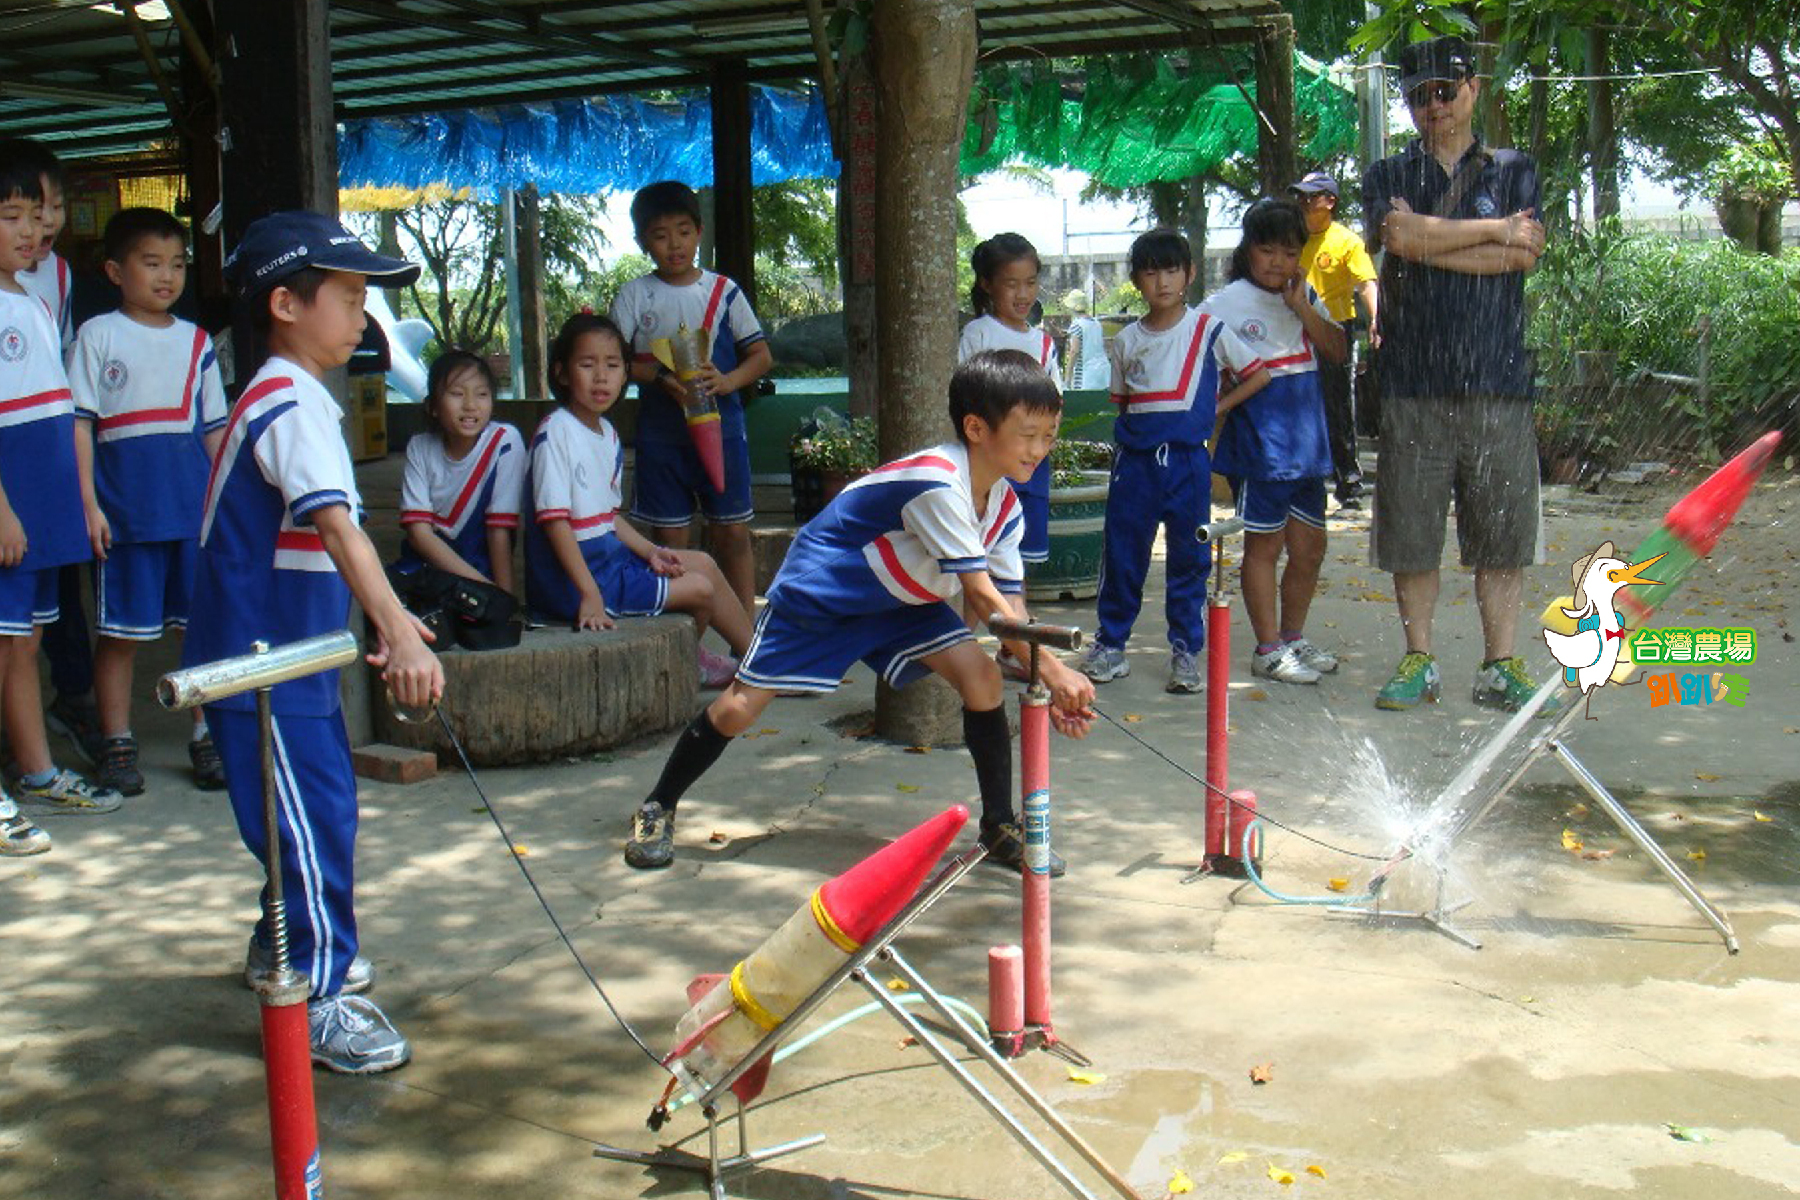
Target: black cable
{"type": "Point", "coordinates": [548, 911]}
{"type": "Point", "coordinates": [1264, 817]}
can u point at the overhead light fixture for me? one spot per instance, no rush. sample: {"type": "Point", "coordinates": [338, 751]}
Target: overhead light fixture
{"type": "Point", "coordinates": [147, 10]}
{"type": "Point", "coordinates": [70, 95]}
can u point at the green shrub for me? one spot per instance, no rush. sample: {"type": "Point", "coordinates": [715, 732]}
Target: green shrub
{"type": "Point", "coordinates": [1645, 299]}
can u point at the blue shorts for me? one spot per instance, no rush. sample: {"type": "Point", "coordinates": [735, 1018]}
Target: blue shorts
{"type": "Point", "coordinates": [1266, 504]}
{"type": "Point", "coordinates": [627, 584]}
{"type": "Point", "coordinates": [143, 588]}
{"type": "Point", "coordinates": [27, 598]}
{"type": "Point", "coordinates": [800, 655]}
{"type": "Point", "coordinates": [670, 480]}
{"type": "Point", "coordinates": [1034, 501]}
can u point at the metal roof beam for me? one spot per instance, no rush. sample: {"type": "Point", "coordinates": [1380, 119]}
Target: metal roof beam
{"type": "Point", "coordinates": [600, 48]}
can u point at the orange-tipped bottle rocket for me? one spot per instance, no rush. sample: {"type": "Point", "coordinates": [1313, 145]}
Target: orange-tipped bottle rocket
{"type": "Point", "coordinates": [1692, 527]}
{"type": "Point", "coordinates": [736, 1011]}
{"type": "Point", "coordinates": [690, 348]}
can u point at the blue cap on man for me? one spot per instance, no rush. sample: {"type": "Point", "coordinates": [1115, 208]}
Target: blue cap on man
{"type": "Point", "coordinates": [285, 243]}
{"type": "Point", "coordinates": [1314, 183]}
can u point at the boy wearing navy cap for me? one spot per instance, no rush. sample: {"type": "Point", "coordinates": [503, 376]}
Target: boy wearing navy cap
{"type": "Point", "coordinates": [281, 553]}
{"type": "Point", "coordinates": [1338, 267]}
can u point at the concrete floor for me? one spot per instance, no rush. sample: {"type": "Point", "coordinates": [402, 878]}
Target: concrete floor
{"type": "Point", "coordinates": [1546, 1065]}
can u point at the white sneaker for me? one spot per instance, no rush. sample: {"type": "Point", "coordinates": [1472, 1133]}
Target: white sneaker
{"type": "Point", "coordinates": [19, 838]}
{"type": "Point", "coordinates": [1184, 673]}
{"type": "Point", "coordinates": [1103, 662]}
{"type": "Point", "coordinates": [1322, 661]}
{"type": "Point", "coordinates": [1283, 666]}
{"type": "Point", "coordinates": [351, 1036]}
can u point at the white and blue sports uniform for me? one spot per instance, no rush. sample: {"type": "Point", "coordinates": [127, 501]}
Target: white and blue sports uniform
{"type": "Point", "coordinates": [37, 463]}
{"type": "Point", "coordinates": [874, 576]}
{"type": "Point", "coordinates": [988, 332]}
{"type": "Point", "coordinates": [152, 394]}
{"type": "Point", "coordinates": [264, 575]}
{"type": "Point", "coordinates": [575, 477]}
{"type": "Point", "coordinates": [460, 499]}
{"type": "Point", "coordinates": [1274, 447]}
{"type": "Point", "coordinates": [52, 282]}
{"type": "Point", "coordinates": [1166, 384]}
{"type": "Point", "coordinates": [670, 478]}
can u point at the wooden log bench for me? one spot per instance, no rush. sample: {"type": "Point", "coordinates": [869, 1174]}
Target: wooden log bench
{"type": "Point", "coordinates": [558, 693]}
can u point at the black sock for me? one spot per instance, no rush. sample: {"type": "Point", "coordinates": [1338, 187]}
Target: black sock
{"type": "Point", "coordinates": [695, 752]}
{"type": "Point", "coordinates": [990, 745]}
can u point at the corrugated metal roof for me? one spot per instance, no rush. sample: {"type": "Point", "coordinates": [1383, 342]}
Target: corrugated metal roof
{"type": "Point", "coordinates": [71, 73]}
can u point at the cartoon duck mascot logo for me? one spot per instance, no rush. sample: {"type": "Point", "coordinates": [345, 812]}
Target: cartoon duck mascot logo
{"type": "Point", "coordinates": [1590, 653]}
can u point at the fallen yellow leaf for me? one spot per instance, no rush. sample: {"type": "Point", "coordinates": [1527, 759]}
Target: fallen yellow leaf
{"type": "Point", "coordinates": [1315, 1169]}
{"type": "Point", "coordinates": [1698, 854]}
{"type": "Point", "coordinates": [1570, 842]}
{"type": "Point", "coordinates": [899, 985]}
{"type": "Point", "coordinates": [1262, 1072]}
{"type": "Point", "coordinates": [1077, 1075]}
{"type": "Point", "coordinates": [1762, 816]}
{"type": "Point", "coordinates": [1578, 812]}
{"type": "Point", "coordinates": [907, 787]}
{"type": "Point", "coordinates": [1233, 1156]}
{"type": "Point", "coordinates": [717, 838]}
{"type": "Point", "coordinates": [1180, 1184]}
{"type": "Point", "coordinates": [1256, 694]}
{"type": "Point", "coordinates": [1707, 777]}
{"type": "Point", "coordinates": [1134, 718]}
{"type": "Point", "coordinates": [521, 851]}
{"type": "Point", "coordinates": [1378, 597]}
{"type": "Point", "coordinates": [1337, 883]}
{"type": "Point", "coordinates": [1280, 1175]}
{"type": "Point", "coordinates": [918, 749]}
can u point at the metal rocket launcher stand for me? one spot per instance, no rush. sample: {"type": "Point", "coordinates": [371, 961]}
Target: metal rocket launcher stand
{"type": "Point", "coordinates": [287, 1052]}
{"type": "Point", "coordinates": [728, 1036]}
{"type": "Point", "coordinates": [1688, 533]}
{"type": "Point", "coordinates": [1037, 1029]}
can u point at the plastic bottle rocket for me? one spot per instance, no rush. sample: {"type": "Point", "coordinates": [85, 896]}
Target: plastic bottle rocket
{"type": "Point", "coordinates": [1688, 533]}
{"type": "Point", "coordinates": [683, 355]}
{"type": "Point", "coordinates": [731, 1013]}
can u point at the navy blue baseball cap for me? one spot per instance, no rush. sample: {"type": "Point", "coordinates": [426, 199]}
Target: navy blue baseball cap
{"type": "Point", "coordinates": [1440, 58]}
{"type": "Point", "coordinates": [1316, 182]}
{"type": "Point", "coordinates": [285, 243]}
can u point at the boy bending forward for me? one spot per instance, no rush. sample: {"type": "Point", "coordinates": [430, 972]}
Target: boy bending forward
{"type": "Point", "coordinates": [876, 576]}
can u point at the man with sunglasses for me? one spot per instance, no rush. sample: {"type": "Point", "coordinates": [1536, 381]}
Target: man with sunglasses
{"type": "Point", "coordinates": [1460, 226]}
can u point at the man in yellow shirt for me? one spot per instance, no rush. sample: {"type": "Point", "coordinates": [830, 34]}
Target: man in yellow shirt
{"type": "Point", "coordinates": [1338, 268]}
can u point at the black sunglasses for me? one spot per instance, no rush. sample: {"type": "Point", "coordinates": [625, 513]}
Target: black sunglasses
{"type": "Point", "coordinates": [1441, 90]}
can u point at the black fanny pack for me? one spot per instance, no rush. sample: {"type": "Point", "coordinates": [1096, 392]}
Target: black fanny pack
{"type": "Point", "coordinates": [467, 612]}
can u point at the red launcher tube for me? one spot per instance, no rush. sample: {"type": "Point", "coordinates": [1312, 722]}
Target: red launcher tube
{"type": "Point", "coordinates": [287, 1068]}
{"type": "Point", "coordinates": [1034, 779]}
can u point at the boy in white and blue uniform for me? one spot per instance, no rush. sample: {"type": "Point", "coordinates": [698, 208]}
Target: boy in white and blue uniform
{"type": "Point", "coordinates": [72, 712]}
{"type": "Point", "coordinates": [1274, 447]}
{"type": "Point", "coordinates": [147, 388]}
{"type": "Point", "coordinates": [1168, 369]}
{"type": "Point", "coordinates": [282, 552]}
{"type": "Point", "coordinates": [892, 573]}
{"type": "Point", "coordinates": [677, 293]}
{"type": "Point", "coordinates": [47, 515]}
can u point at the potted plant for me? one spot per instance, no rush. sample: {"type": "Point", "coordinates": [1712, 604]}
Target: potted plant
{"type": "Point", "coordinates": [1080, 473]}
{"type": "Point", "coordinates": [827, 453]}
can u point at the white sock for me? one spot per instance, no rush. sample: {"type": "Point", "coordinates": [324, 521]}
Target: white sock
{"type": "Point", "coordinates": [200, 732]}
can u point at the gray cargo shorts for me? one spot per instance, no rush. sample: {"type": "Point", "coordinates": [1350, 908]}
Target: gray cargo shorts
{"type": "Point", "coordinates": [1480, 451]}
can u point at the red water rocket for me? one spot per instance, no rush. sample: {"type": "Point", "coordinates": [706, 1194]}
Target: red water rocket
{"type": "Point", "coordinates": [731, 1013]}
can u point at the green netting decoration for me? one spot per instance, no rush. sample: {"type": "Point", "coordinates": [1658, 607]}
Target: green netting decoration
{"type": "Point", "coordinates": [1128, 121]}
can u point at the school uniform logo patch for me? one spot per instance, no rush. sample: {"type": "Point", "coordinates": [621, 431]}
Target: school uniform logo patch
{"type": "Point", "coordinates": [114, 376]}
{"type": "Point", "coordinates": [1325, 261]}
{"type": "Point", "coordinates": [1253, 330]}
{"type": "Point", "coordinates": [1484, 205]}
{"type": "Point", "coordinates": [12, 344]}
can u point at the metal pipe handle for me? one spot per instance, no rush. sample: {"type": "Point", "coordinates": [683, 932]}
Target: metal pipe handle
{"type": "Point", "coordinates": [1057, 637]}
{"type": "Point", "coordinates": [1214, 531]}
{"type": "Point", "coordinates": [259, 669]}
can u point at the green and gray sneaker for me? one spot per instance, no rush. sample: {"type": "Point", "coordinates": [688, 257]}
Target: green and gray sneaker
{"type": "Point", "coordinates": [1415, 679]}
{"type": "Point", "coordinates": [1506, 684]}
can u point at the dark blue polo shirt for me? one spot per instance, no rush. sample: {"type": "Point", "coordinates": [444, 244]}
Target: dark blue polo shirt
{"type": "Point", "coordinates": [1444, 333]}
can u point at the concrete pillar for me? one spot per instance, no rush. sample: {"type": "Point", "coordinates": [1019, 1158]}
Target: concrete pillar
{"type": "Point", "coordinates": [924, 57]}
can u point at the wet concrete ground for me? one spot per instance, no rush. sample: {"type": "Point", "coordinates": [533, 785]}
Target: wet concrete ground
{"type": "Point", "coordinates": [1551, 1063]}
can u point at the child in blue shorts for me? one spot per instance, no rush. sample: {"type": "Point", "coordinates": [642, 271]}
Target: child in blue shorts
{"type": "Point", "coordinates": [677, 293]}
{"type": "Point", "coordinates": [45, 492]}
{"type": "Point", "coordinates": [1168, 370]}
{"type": "Point", "coordinates": [282, 551]}
{"type": "Point", "coordinates": [152, 411]}
{"type": "Point", "coordinates": [582, 564]}
{"type": "Point", "coordinates": [892, 573]}
{"type": "Point", "coordinates": [1273, 447]}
